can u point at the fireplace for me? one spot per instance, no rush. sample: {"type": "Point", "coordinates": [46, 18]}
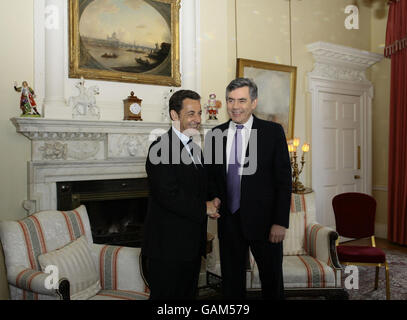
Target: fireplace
{"type": "Point", "coordinates": [116, 208]}
{"type": "Point", "coordinates": [100, 164]}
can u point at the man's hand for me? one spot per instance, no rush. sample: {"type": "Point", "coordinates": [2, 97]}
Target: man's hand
{"type": "Point", "coordinates": [277, 233]}
{"type": "Point", "coordinates": [216, 202]}
{"type": "Point", "coordinates": [212, 208]}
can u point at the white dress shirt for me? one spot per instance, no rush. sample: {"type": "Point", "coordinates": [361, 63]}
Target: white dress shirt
{"type": "Point", "coordinates": [246, 130]}
{"type": "Point", "coordinates": [184, 139]}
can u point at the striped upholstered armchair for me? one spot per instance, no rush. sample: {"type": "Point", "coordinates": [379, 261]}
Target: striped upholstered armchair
{"type": "Point", "coordinates": [34, 246]}
{"type": "Point", "coordinates": [310, 263]}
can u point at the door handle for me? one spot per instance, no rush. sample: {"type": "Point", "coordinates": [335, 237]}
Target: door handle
{"type": "Point", "coordinates": [357, 177]}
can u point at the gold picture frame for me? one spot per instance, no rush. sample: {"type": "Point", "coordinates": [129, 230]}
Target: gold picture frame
{"type": "Point", "coordinates": [277, 91]}
{"type": "Point", "coordinates": [138, 42]}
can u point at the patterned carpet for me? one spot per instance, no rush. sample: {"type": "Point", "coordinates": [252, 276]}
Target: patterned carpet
{"type": "Point", "coordinates": [398, 280]}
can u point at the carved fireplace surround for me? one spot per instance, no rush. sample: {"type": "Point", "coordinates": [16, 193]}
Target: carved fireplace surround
{"type": "Point", "coordinates": [78, 150]}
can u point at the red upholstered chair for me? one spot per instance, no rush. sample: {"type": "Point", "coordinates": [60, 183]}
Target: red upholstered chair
{"type": "Point", "coordinates": [355, 216]}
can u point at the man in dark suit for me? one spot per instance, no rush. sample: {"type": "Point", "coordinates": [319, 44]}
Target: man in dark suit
{"type": "Point", "coordinates": [176, 222]}
{"type": "Point", "coordinates": [251, 174]}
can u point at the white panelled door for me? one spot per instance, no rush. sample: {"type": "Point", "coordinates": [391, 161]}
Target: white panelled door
{"type": "Point", "coordinates": [341, 123]}
{"type": "Point", "coordinates": [339, 150]}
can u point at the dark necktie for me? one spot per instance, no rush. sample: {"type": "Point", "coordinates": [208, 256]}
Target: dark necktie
{"type": "Point", "coordinates": [233, 176]}
{"type": "Point", "coordinates": [195, 151]}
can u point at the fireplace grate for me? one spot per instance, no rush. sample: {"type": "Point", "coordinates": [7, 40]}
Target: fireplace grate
{"type": "Point", "coordinates": [116, 208]}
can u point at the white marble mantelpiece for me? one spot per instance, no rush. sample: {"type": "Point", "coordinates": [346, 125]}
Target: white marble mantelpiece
{"type": "Point", "coordinates": [79, 140]}
{"type": "Point", "coordinates": [78, 150]}
{"type": "Point", "coordinates": [32, 126]}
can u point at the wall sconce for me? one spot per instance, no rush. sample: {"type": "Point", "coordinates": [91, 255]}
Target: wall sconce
{"type": "Point", "coordinates": [297, 186]}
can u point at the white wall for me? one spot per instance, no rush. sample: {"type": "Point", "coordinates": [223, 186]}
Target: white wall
{"type": "Point", "coordinates": [16, 56]}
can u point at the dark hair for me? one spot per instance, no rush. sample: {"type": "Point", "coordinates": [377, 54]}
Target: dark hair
{"type": "Point", "coordinates": [178, 97]}
{"type": "Point", "coordinates": [240, 83]}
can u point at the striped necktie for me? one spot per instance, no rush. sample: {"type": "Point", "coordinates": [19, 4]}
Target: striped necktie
{"type": "Point", "coordinates": [233, 176]}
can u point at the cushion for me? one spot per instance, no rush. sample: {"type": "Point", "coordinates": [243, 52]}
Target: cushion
{"type": "Point", "coordinates": [293, 243]}
{"type": "Point", "coordinates": [24, 240]}
{"type": "Point", "coordinates": [302, 212]}
{"type": "Point", "coordinates": [360, 254]}
{"type": "Point", "coordinates": [74, 262]}
{"type": "Point", "coordinates": [301, 272]}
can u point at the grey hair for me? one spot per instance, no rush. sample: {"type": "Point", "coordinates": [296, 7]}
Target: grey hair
{"type": "Point", "coordinates": [240, 83]}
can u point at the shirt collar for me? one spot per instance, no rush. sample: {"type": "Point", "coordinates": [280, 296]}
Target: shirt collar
{"type": "Point", "coordinates": [184, 139]}
{"type": "Point", "coordinates": [247, 125]}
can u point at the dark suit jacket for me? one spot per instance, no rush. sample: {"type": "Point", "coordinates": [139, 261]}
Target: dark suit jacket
{"type": "Point", "coordinates": [266, 193]}
{"type": "Point", "coordinates": [176, 221]}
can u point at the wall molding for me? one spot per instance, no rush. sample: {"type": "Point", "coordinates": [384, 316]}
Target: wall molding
{"type": "Point", "coordinates": [381, 230]}
{"type": "Point", "coordinates": [380, 188]}
{"type": "Point", "coordinates": [338, 62]}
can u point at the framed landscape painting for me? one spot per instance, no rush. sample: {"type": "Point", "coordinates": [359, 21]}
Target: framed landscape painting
{"type": "Point", "coordinates": [125, 40]}
{"type": "Point", "coordinates": [276, 97]}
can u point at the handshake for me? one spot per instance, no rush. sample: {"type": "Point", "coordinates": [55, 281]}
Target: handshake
{"type": "Point", "coordinates": [212, 208]}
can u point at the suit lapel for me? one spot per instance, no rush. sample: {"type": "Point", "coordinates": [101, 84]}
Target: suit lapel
{"type": "Point", "coordinates": [177, 140]}
{"type": "Point", "coordinates": [253, 140]}
{"type": "Point", "coordinates": [224, 161]}
{"type": "Point", "coordinates": [255, 127]}
{"type": "Point", "coordinates": [224, 145]}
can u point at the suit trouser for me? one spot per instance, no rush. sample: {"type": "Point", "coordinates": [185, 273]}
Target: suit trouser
{"type": "Point", "coordinates": [170, 279]}
{"type": "Point", "coordinates": [234, 249]}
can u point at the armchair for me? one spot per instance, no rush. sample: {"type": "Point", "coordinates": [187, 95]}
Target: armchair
{"type": "Point", "coordinates": [310, 263]}
{"type": "Point", "coordinates": [115, 270]}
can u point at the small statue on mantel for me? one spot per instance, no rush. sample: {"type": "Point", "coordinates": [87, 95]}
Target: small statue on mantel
{"type": "Point", "coordinates": [84, 105]}
{"type": "Point", "coordinates": [28, 105]}
{"type": "Point", "coordinates": [212, 108]}
{"type": "Point", "coordinates": [165, 113]}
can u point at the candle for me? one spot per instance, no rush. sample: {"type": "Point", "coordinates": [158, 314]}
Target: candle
{"type": "Point", "coordinates": [296, 142]}
{"type": "Point", "coordinates": [290, 148]}
{"type": "Point", "coordinates": [305, 147]}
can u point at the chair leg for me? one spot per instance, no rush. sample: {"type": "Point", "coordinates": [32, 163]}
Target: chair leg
{"type": "Point", "coordinates": [387, 281]}
{"type": "Point", "coordinates": [376, 282]}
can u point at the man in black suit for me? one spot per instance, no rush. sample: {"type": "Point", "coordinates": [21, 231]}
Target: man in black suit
{"type": "Point", "coordinates": [251, 174]}
{"type": "Point", "coordinates": [176, 222]}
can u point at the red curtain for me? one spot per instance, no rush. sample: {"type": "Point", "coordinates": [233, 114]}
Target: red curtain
{"type": "Point", "coordinates": [396, 49]}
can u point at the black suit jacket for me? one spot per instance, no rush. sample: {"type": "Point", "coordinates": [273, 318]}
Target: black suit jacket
{"type": "Point", "coordinates": [265, 189]}
{"type": "Point", "coordinates": [176, 221]}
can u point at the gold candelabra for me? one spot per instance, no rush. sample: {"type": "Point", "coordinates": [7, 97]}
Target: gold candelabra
{"type": "Point", "coordinates": [297, 186]}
